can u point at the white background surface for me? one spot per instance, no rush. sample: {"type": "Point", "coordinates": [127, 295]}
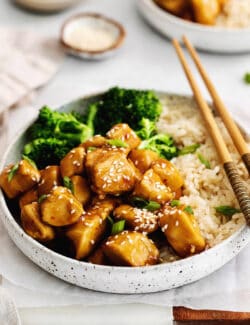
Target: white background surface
{"type": "Point", "coordinates": [147, 60]}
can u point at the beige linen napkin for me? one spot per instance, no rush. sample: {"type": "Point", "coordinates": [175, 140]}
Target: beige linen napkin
{"type": "Point", "coordinates": [27, 62]}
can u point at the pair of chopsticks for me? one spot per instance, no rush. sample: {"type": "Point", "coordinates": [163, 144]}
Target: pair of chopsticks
{"type": "Point", "coordinates": [235, 180]}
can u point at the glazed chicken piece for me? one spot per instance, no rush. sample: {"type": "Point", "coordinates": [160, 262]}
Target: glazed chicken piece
{"type": "Point", "coordinates": [110, 172]}
{"type": "Point", "coordinates": [81, 189]}
{"type": "Point", "coordinates": [140, 220]}
{"type": "Point", "coordinates": [130, 248]}
{"type": "Point", "coordinates": [205, 12]}
{"type": "Point", "coordinates": [90, 228]}
{"type": "Point", "coordinates": [50, 177]}
{"type": "Point", "coordinates": [143, 158]}
{"type": "Point", "coordinates": [168, 174]}
{"type": "Point", "coordinates": [174, 6]}
{"type": "Point", "coordinates": [181, 230]}
{"type": "Point", "coordinates": [94, 142]}
{"type": "Point", "coordinates": [33, 225]}
{"type": "Point", "coordinates": [28, 197]}
{"type": "Point", "coordinates": [60, 207]}
{"type": "Point", "coordinates": [152, 188]}
{"type": "Point", "coordinates": [20, 178]}
{"type": "Point", "coordinates": [73, 162]}
{"type": "Point", "coordinates": [124, 133]}
{"type": "Point", "coordinates": [98, 257]}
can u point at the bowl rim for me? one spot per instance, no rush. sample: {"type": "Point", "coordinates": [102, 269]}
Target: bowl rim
{"type": "Point", "coordinates": [191, 25]}
{"type": "Point", "coordinates": [4, 211]}
{"type": "Point", "coordinates": [117, 43]}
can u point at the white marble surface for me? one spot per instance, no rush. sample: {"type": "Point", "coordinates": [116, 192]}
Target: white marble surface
{"type": "Point", "coordinates": [147, 60]}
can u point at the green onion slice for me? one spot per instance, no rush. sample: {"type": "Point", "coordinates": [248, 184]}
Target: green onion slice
{"type": "Point", "coordinates": [188, 149]}
{"type": "Point", "coordinates": [110, 220]}
{"type": "Point", "coordinates": [175, 203]}
{"type": "Point", "coordinates": [204, 161]}
{"type": "Point", "coordinates": [141, 203]}
{"type": "Point", "coordinates": [12, 172]}
{"type": "Point", "coordinates": [227, 210]}
{"type": "Point", "coordinates": [188, 209]}
{"type": "Point", "coordinates": [42, 198]}
{"type": "Point", "coordinates": [118, 227]}
{"type": "Point", "coordinates": [30, 161]}
{"type": "Point", "coordinates": [90, 149]}
{"type": "Point", "coordinates": [117, 143]}
{"type": "Point", "coordinates": [67, 182]}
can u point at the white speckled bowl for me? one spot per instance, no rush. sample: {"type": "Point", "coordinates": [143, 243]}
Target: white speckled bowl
{"type": "Point", "coordinates": [209, 38]}
{"type": "Point", "coordinates": [111, 278]}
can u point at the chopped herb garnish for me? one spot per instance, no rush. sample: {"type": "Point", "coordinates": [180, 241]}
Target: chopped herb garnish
{"type": "Point", "coordinates": [12, 172]}
{"type": "Point", "coordinates": [67, 182]}
{"type": "Point", "coordinates": [141, 203]}
{"type": "Point", "coordinates": [90, 149]}
{"type": "Point", "coordinates": [42, 198]}
{"type": "Point", "coordinates": [188, 209]}
{"type": "Point", "coordinates": [118, 227]}
{"type": "Point", "coordinates": [152, 206]}
{"type": "Point", "coordinates": [188, 149]}
{"type": "Point", "coordinates": [247, 78]}
{"type": "Point", "coordinates": [30, 161]}
{"type": "Point", "coordinates": [117, 143]}
{"type": "Point", "coordinates": [204, 161]}
{"type": "Point", "coordinates": [227, 210]}
{"type": "Point", "coordinates": [110, 220]}
{"type": "Point", "coordinates": [175, 203]}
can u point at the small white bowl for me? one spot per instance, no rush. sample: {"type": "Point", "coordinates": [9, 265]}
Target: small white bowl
{"type": "Point", "coordinates": [91, 36]}
{"type": "Point", "coordinates": [209, 38]}
{"type": "Point", "coordinates": [46, 5]}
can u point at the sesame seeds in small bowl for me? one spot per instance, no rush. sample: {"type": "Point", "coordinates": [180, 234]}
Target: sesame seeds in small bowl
{"type": "Point", "coordinates": [92, 36]}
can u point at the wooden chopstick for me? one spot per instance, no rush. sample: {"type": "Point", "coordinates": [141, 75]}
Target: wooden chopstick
{"type": "Point", "coordinates": [232, 128]}
{"type": "Point", "coordinates": [236, 182]}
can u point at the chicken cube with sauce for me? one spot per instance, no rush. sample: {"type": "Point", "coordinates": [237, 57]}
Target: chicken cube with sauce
{"type": "Point", "coordinates": [143, 158]}
{"type": "Point", "coordinates": [50, 177]}
{"type": "Point", "coordinates": [19, 178]}
{"type": "Point", "coordinates": [130, 248]}
{"type": "Point", "coordinates": [90, 228]}
{"type": "Point", "coordinates": [81, 189]}
{"type": "Point", "coordinates": [152, 188]}
{"type": "Point", "coordinates": [124, 133]}
{"type": "Point", "coordinates": [98, 257]}
{"type": "Point", "coordinates": [73, 162]}
{"type": "Point", "coordinates": [181, 230]}
{"type": "Point", "coordinates": [33, 224]}
{"type": "Point", "coordinates": [137, 219]}
{"type": "Point", "coordinates": [174, 6]}
{"type": "Point", "coordinates": [110, 172]}
{"type": "Point", "coordinates": [28, 197]}
{"type": "Point", "coordinates": [94, 142]}
{"type": "Point", "coordinates": [60, 207]}
{"type": "Point", "coordinates": [168, 174]}
{"type": "Point", "coordinates": [205, 12]}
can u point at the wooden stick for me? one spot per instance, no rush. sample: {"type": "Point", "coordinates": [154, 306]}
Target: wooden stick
{"type": "Point", "coordinates": [232, 128]}
{"type": "Point", "coordinates": [237, 184]}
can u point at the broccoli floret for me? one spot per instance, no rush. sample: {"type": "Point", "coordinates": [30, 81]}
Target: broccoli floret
{"type": "Point", "coordinates": [163, 144]}
{"type": "Point", "coordinates": [147, 129]}
{"type": "Point", "coordinates": [120, 105]}
{"type": "Point", "coordinates": [64, 126]}
{"type": "Point", "coordinates": [47, 151]}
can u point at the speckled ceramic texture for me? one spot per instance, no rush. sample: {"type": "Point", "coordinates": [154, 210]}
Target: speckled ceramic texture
{"type": "Point", "coordinates": [110, 278]}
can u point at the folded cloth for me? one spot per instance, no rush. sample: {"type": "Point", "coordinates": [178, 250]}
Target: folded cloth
{"type": "Point", "coordinates": [8, 311]}
{"type": "Point", "coordinates": [27, 61]}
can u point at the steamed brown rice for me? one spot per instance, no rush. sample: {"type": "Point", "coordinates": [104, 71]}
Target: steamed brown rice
{"type": "Point", "coordinates": [204, 189]}
{"type": "Point", "coordinates": [235, 14]}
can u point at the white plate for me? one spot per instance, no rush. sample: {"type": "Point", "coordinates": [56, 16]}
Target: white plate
{"type": "Point", "coordinates": [209, 38]}
{"type": "Point", "coordinates": [113, 278]}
